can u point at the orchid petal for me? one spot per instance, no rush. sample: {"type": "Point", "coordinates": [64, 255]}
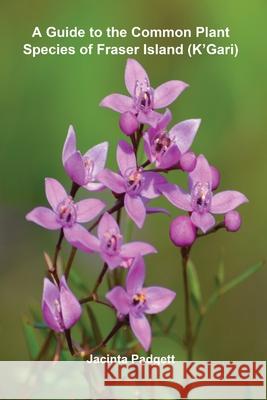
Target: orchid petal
{"type": "Point", "coordinates": [134, 249]}
{"type": "Point", "coordinates": [136, 276]}
{"type": "Point", "coordinates": [164, 120]}
{"type": "Point", "coordinates": [141, 329]}
{"type": "Point", "coordinates": [75, 169]}
{"type": "Point", "coordinates": [49, 300]}
{"type": "Point", "coordinates": [113, 261]}
{"type": "Point", "coordinates": [117, 102]}
{"type": "Point", "coordinates": [157, 210]}
{"type": "Point", "coordinates": [176, 196]}
{"type": "Point", "coordinates": [55, 192]}
{"type": "Point", "coordinates": [106, 224]}
{"type": "Point", "coordinates": [134, 72]}
{"type": "Point", "coordinates": [201, 173]}
{"type": "Point", "coordinates": [94, 186]}
{"type": "Point", "coordinates": [135, 209]}
{"type": "Point", "coordinates": [152, 180]}
{"type": "Point", "coordinates": [44, 217]}
{"type": "Point", "coordinates": [203, 221]}
{"type": "Point", "coordinates": [157, 299]}
{"type": "Point", "coordinates": [170, 158]}
{"type": "Point", "coordinates": [69, 145]}
{"type": "Point", "coordinates": [147, 145]}
{"type": "Point", "coordinates": [80, 238]}
{"type": "Point", "coordinates": [98, 154]}
{"type": "Point", "coordinates": [125, 157]}
{"type": "Point", "coordinates": [113, 181]}
{"type": "Point", "coordinates": [184, 133]}
{"type": "Point", "coordinates": [70, 307]}
{"type": "Point", "coordinates": [151, 118]}
{"type": "Point", "coordinates": [119, 299]}
{"type": "Point", "coordinates": [88, 209]}
{"type": "Point", "coordinates": [226, 201]}
{"type": "Point", "coordinates": [166, 93]}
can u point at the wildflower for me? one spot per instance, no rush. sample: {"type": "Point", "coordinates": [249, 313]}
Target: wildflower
{"type": "Point", "coordinates": [232, 221]}
{"type": "Point", "coordinates": [144, 99]}
{"type": "Point", "coordinates": [201, 202]}
{"type": "Point", "coordinates": [109, 244]}
{"type": "Point", "coordinates": [167, 148]}
{"type": "Point", "coordinates": [83, 169]}
{"type": "Point", "coordinates": [182, 231]}
{"type": "Point", "coordinates": [137, 184]}
{"type": "Point", "coordinates": [136, 301]}
{"type": "Point", "coordinates": [65, 214]}
{"type": "Point", "coordinates": [60, 308]}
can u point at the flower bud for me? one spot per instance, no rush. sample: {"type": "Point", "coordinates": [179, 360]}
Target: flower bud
{"type": "Point", "coordinates": [182, 231]}
{"type": "Point", "coordinates": [232, 221]}
{"type": "Point", "coordinates": [216, 177]}
{"type": "Point", "coordinates": [128, 123]}
{"type": "Point", "coordinates": [188, 161]}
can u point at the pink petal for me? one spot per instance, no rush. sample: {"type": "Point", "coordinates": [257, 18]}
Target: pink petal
{"type": "Point", "coordinates": [203, 221]}
{"type": "Point", "coordinates": [94, 186]}
{"type": "Point", "coordinates": [141, 329]}
{"type": "Point", "coordinates": [119, 299]}
{"type": "Point", "coordinates": [151, 118]}
{"type": "Point", "coordinates": [106, 224]}
{"type": "Point", "coordinates": [176, 196]}
{"type": "Point", "coordinates": [157, 299]}
{"type": "Point", "coordinates": [55, 192]}
{"type": "Point", "coordinates": [111, 180]}
{"type": "Point", "coordinates": [44, 217]}
{"type": "Point", "coordinates": [117, 102]}
{"type": "Point", "coordinates": [166, 93]}
{"type": "Point", "coordinates": [88, 209]}
{"type": "Point", "coordinates": [134, 249]}
{"type": "Point", "coordinates": [147, 136]}
{"type": "Point", "coordinates": [184, 133]}
{"type": "Point", "coordinates": [74, 167]}
{"type": "Point", "coordinates": [170, 158]}
{"type": "Point", "coordinates": [156, 210]}
{"type": "Point", "coordinates": [70, 306]}
{"type": "Point", "coordinates": [201, 173]}
{"type": "Point", "coordinates": [80, 238]}
{"type": "Point", "coordinates": [134, 72]}
{"type": "Point", "coordinates": [165, 120]}
{"type": "Point", "coordinates": [98, 154]}
{"type": "Point", "coordinates": [135, 209]}
{"type": "Point", "coordinates": [136, 276]}
{"type": "Point", "coordinates": [125, 157]}
{"type": "Point", "coordinates": [49, 298]}
{"type": "Point", "coordinates": [152, 181]}
{"type": "Point", "coordinates": [69, 145]}
{"type": "Point", "coordinates": [226, 201]}
{"type": "Point", "coordinates": [113, 261]}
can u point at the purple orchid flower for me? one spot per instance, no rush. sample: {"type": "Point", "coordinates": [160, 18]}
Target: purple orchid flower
{"type": "Point", "coordinates": [201, 202]}
{"type": "Point", "coordinates": [61, 310]}
{"type": "Point", "coordinates": [136, 301]}
{"type": "Point", "coordinates": [83, 169]}
{"type": "Point", "coordinates": [65, 214]}
{"type": "Point", "coordinates": [144, 99]}
{"type": "Point", "coordinates": [137, 184]}
{"type": "Point", "coordinates": [166, 148]}
{"type": "Point", "coordinates": [109, 244]}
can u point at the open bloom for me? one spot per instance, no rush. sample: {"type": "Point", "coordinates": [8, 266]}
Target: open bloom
{"type": "Point", "coordinates": [136, 301]}
{"type": "Point", "coordinates": [137, 184]}
{"type": "Point", "coordinates": [61, 310]}
{"type": "Point", "coordinates": [166, 148]}
{"type": "Point", "coordinates": [65, 214]}
{"type": "Point", "coordinates": [201, 202]}
{"type": "Point", "coordinates": [83, 169]}
{"type": "Point", "coordinates": [109, 244]}
{"type": "Point", "coordinates": [144, 99]}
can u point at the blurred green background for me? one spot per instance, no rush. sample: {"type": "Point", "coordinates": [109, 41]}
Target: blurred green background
{"type": "Point", "coordinates": [41, 97]}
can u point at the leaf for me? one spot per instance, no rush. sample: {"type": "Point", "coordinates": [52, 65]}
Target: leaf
{"type": "Point", "coordinates": [194, 284]}
{"type": "Point", "coordinates": [241, 278]}
{"type": "Point", "coordinates": [31, 340]}
{"type": "Point", "coordinates": [219, 278]}
{"type": "Point", "coordinates": [170, 324]}
{"type": "Point", "coordinates": [95, 327]}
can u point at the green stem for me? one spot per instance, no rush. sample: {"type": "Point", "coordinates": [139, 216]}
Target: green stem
{"type": "Point", "coordinates": [188, 323]}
